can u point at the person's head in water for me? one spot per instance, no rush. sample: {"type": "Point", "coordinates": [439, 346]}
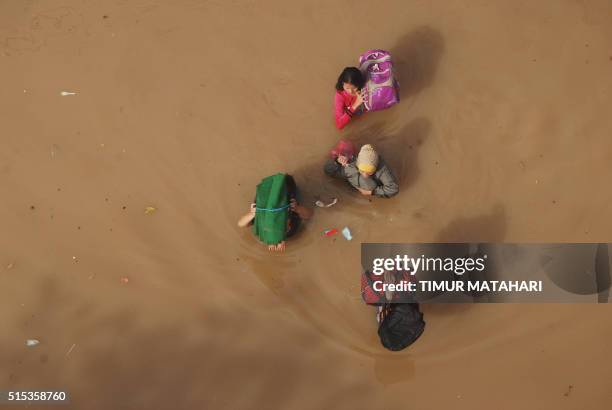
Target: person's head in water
{"type": "Point", "coordinates": [350, 80]}
{"type": "Point", "coordinates": [367, 161]}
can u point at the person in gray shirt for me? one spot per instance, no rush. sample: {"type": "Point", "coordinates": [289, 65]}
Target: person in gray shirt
{"type": "Point", "coordinates": [368, 173]}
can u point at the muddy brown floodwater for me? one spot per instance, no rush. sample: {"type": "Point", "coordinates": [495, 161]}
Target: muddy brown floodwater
{"type": "Point", "coordinates": [503, 134]}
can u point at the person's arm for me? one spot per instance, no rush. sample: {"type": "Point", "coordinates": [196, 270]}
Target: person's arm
{"type": "Point", "coordinates": [389, 185]}
{"type": "Point", "coordinates": [358, 101]}
{"type": "Point", "coordinates": [336, 167]}
{"type": "Point", "coordinates": [302, 211]}
{"type": "Point", "coordinates": [246, 219]}
{"type": "Point", "coordinates": [332, 168]}
{"type": "Point", "coordinates": [343, 116]}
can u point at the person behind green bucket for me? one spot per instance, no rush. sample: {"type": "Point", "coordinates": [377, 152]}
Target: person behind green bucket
{"type": "Point", "coordinates": [276, 214]}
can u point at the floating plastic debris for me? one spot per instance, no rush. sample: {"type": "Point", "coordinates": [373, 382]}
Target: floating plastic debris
{"type": "Point", "coordinates": [149, 210]}
{"type": "Point", "coordinates": [70, 350]}
{"type": "Point", "coordinates": [67, 93]}
{"type": "Point", "coordinates": [32, 342]}
{"type": "Point", "coordinates": [347, 233]}
{"type": "Point", "coordinates": [330, 232]}
{"type": "Point", "coordinates": [322, 204]}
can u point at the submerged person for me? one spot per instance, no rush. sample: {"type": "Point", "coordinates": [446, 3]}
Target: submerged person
{"type": "Point", "coordinates": [348, 101]}
{"type": "Point", "coordinates": [276, 214]}
{"type": "Point", "coordinates": [368, 173]}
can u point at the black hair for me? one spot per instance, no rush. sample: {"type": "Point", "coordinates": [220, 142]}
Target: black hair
{"type": "Point", "coordinates": [291, 186]}
{"type": "Point", "coordinates": [294, 219]}
{"type": "Point", "coordinates": [350, 75]}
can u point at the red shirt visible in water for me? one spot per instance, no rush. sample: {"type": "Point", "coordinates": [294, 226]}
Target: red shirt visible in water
{"type": "Point", "coordinates": [343, 102]}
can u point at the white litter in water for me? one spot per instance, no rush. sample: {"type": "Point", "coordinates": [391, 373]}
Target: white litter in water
{"type": "Point", "coordinates": [70, 350]}
{"type": "Point", "coordinates": [32, 342]}
{"type": "Point", "coordinates": [322, 204]}
{"type": "Point", "coordinates": [347, 233]}
{"type": "Point", "coordinates": [66, 93]}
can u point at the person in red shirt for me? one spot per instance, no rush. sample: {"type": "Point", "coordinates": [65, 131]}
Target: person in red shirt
{"type": "Point", "coordinates": [348, 101]}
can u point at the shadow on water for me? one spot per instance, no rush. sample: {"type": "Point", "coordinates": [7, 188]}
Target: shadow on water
{"type": "Point", "coordinates": [581, 269]}
{"type": "Point", "coordinates": [215, 358]}
{"type": "Point", "coordinates": [416, 57]}
{"type": "Point", "coordinates": [602, 272]}
{"type": "Point", "coordinates": [311, 180]}
{"type": "Point", "coordinates": [490, 227]}
{"type": "Point", "coordinates": [400, 150]}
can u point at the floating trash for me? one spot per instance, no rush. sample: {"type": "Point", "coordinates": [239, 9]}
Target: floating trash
{"type": "Point", "coordinates": [32, 342]}
{"type": "Point", "coordinates": [149, 210]}
{"type": "Point", "coordinates": [322, 204]}
{"type": "Point", "coordinates": [70, 350]}
{"type": "Point", "coordinates": [330, 232]}
{"type": "Point", "coordinates": [346, 232]}
{"type": "Point", "coordinates": [67, 93]}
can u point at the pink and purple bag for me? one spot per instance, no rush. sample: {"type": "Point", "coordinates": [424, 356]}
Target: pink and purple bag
{"type": "Point", "coordinates": [382, 89]}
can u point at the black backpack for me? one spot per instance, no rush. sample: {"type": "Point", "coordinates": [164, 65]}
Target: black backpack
{"type": "Point", "coordinates": [401, 324]}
